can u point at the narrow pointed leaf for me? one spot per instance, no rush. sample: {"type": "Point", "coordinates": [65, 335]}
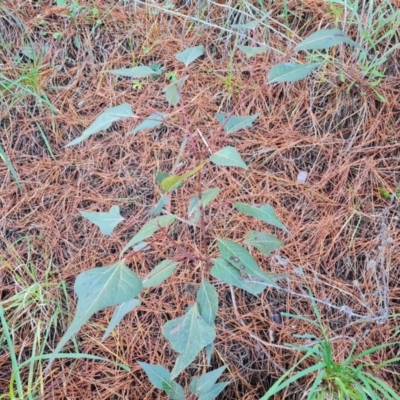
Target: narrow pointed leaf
{"type": "Point", "coordinates": [97, 289]}
{"type": "Point", "coordinates": [135, 72]}
{"type": "Point", "coordinates": [172, 91]}
{"type": "Point", "coordinates": [263, 242]}
{"type": "Point", "coordinates": [158, 375]}
{"type": "Point", "coordinates": [106, 221]}
{"type": "Point", "coordinates": [150, 122]}
{"type": "Point", "coordinates": [149, 228]}
{"type": "Point", "coordinates": [120, 313]}
{"type": "Point", "coordinates": [3, 155]}
{"type": "Point", "coordinates": [234, 123]}
{"type": "Point", "coordinates": [263, 212]}
{"type": "Point", "coordinates": [160, 205]}
{"type": "Point", "coordinates": [228, 157]}
{"type": "Point", "coordinates": [288, 72]}
{"type": "Point", "coordinates": [227, 273]}
{"type": "Point", "coordinates": [104, 121]}
{"type": "Point", "coordinates": [188, 335]}
{"type": "Point", "coordinates": [207, 300]}
{"type": "Point", "coordinates": [208, 380]}
{"type": "Point", "coordinates": [189, 55]}
{"type": "Point", "coordinates": [251, 51]}
{"type": "Point", "coordinates": [242, 260]}
{"type": "Point", "coordinates": [324, 39]}
{"type": "Point", "coordinates": [214, 391]}
{"type": "Point", "coordinates": [248, 25]}
{"type": "Point", "coordinates": [161, 272]}
{"type": "Point", "coordinates": [172, 182]}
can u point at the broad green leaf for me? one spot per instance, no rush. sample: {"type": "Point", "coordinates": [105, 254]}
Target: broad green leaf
{"type": "Point", "coordinates": [172, 182]}
{"type": "Point", "coordinates": [160, 176]}
{"type": "Point", "coordinates": [172, 91]}
{"type": "Point", "coordinates": [207, 381]}
{"type": "Point", "coordinates": [97, 289]}
{"type": "Point", "coordinates": [119, 313]}
{"type": "Point", "coordinates": [287, 72]}
{"type": "Point", "coordinates": [207, 300]}
{"type": "Point", "coordinates": [150, 122]}
{"type": "Point", "coordinates": [106, 221]}
{"type": "Point", "coordinates": [189, 55]}
{"type": "Point", "coordinates": [242, 260]}
{"type": "Point", "coordinates": [263, 242]}
{"type": "Point", "coordinates": [160, 205]}
{"type": "Point", "coordinates": [14, 174]}
{"type": "Point", "coordinates": [227, 273]}
{"type": "Point", "coordinates": [234, 123]}
{"type": "Point", "coordinates": [228, 157]}
{"type": "Point", "coordinates": [209, 349]}
{"type": "Point", "coordinates": [214, 391]}
{"type": "Point", "coordinates": [149, 228]}
{"type": "Point", "coordinates": [104, 121]}
{"type": "Point", "coordinates": [251, 51]}
{"type": "Point", "coordinates": [188, 335]}
{"type": "Point", "coordinates": [324, 39]}
{"type": "Point", "coordinates": [174, 391]}
{"type": "Point", "coordinates": [161, 272]}
{"type": "Point", "coordinates": [263, 212]}
{"type": "Point", "coordinates": [135, 72]}
{"type": "Point", "coordinates": [158, 375]}
{"type": "Point", "coordinates": [194, 205]}
{"type": "Point", "coordinates": [61, 3]}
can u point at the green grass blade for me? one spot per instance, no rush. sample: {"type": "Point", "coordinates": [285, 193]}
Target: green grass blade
{"type": "Point", "coordinates": [382, 387]}
{"type": "Point", "coordinates": [14, 174]}
{"type": "Point", "coordinates": [13, 356]}
{"type": "Point", "coordinates": [279, 385]}
{"type": "Point", "coordinates": [46, 141]}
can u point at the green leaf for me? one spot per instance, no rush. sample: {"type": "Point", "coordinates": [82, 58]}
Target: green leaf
{"type": "Point", "coordinates": [188, 335]}
{"type": "Point", "coordinates": [194, 205]}
{"type": "Point", "coordinates": [251, 51]}
{"type": "Point", "coordinates": [227, 273]}
{"type": "Point", "coordinates": [14, 174]}
{"type": "Point", "coordinates": [207, 300]}
{"type": "Point", "coordinates": [228, 157]}
{"type": "Point", "coordinates": [263, 212]}
{"type": "Point", "coordinates": [287, 72]}
{"type": "Point", "coordinates": [242, 260]}
{"type": "Point", "coordinates": [174, 390]}
{"type": "Point", "coordinates": [189, 55]}
{"type": "Point", "coordinates": [136, 72]}
{"type": "Point", "coordinates": [150, 122]}
{"type": "Point", "coordinates": [149, 228]}
{"type": "Point", "coordinates": [97, 289]}
{"type": "Point", "coordinates": [161, 272]}
{"type": "Point", "coordinates": [172, 182]}
{"type": "Point", "coordinates": [248, 25]}
{"type": "Point", "coordinates": [158, 375]}
{"type": "Point", "coordinates": [172, 91]}
{"type": "Point", "coordinates": [234, 123]}
{"type": "Point", "coordinates": [207, 381]}
{"type": "Point", "coordinates": [324, 39]}
{"type": "Point", "coordinates": [119, 313]}
{"type": "Point", "coordinates": [214, 391]}
{"type": "Point", "coordinates": [104, 121]}
{"type": "Point", "coordinates": [160, 205]}
{"type": "Point", "coordinates": [106, 221]}
{"type": "Point", "coordinates": [263, 242]}
{"type": "Point", "coordinates": [160, 176]}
